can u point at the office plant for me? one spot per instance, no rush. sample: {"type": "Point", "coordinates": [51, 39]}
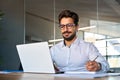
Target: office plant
{"type": "Point", "coordinates": [1, 17]}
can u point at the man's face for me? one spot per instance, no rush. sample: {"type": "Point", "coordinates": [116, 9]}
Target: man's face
{"type": "Point", "coordinates": [68, 28]}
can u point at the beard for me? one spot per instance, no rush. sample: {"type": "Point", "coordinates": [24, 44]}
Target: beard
{"type": "Point", "coordinates": [70, 37]}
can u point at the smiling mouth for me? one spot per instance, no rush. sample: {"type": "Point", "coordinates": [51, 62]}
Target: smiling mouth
{"type": "Point", "coordinates": [66, 35]}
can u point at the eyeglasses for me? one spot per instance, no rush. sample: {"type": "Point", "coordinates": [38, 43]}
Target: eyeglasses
{"type": "Point", "coordinates": [69, 26]}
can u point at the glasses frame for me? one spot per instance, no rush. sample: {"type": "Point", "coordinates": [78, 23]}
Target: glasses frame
{"type": "Point", "coordinates": [69, 25]}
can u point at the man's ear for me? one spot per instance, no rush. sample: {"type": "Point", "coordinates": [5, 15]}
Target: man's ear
{"type": "Point", "coordinates": [77, 28]}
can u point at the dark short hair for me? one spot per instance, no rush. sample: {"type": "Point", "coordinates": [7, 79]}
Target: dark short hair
{"type": "Point", "coordinates": [71, 14]}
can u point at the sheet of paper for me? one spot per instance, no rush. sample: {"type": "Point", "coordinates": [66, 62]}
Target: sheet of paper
{"type": "Point", "coordinates": [79, 72]}
{"type": "Point", "coordinates": [83, 75]}
{"type": "Point", "coordinates": [4, 72]}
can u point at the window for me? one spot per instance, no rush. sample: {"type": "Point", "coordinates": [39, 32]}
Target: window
{"type": "Point", "coordinates": [109, 48]}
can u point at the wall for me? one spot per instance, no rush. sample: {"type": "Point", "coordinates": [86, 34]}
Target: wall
{"type": "Point", "coordinates": [12, 33]}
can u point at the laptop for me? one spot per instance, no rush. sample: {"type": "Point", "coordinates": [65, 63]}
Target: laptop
{"type": "Point", "coordinates": [35, 57]}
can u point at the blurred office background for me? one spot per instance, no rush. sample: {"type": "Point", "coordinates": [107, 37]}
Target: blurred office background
{"type": "Point", "coordinates": [28, 21]}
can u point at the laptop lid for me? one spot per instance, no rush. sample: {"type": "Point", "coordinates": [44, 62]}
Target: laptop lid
{"type": "Point", "coordinates": [35, 57]}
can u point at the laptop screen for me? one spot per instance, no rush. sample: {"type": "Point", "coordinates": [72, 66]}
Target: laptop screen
{"type": "Point", "coordinates": [35, 57]}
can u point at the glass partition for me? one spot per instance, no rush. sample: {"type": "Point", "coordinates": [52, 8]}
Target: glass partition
{"type": "Point", "coordinates": [99, 23]}
{"type": "Point", "coordinates": [107, 38]}
{"type": "Point", "coordinates": [39, 20]}
{"type": "Point", "coordinates": [109, 23]}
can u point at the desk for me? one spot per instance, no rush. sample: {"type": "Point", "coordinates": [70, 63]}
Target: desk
{"type": "Point", "coordinates": [31, 76]}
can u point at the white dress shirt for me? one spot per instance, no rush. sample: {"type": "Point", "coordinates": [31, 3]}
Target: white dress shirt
{"type": "Point", "coordinates": [74, 58]}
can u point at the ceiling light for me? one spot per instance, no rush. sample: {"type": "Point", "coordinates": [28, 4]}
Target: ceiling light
{"type": "Point", "coordinates": [84, 28]}
{"type": "Point", "coordinates": [108, 39]}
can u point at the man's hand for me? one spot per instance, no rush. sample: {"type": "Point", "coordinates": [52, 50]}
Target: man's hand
{"type": "Point", "coordinates": [93, 66]}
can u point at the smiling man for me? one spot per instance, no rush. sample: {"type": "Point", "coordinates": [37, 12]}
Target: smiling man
{"type": "Point", "coordinates": [73, 54]}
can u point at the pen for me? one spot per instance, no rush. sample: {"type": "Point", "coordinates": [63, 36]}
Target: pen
{"type": "Point", "coordinates": [95, 58]}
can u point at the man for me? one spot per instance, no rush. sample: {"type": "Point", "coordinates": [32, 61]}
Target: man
{"type": "Point", "coordinates": [73, 54]}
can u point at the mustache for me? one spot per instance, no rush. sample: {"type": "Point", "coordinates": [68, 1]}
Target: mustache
{"type": "Point", "coordinates": [66, 32]}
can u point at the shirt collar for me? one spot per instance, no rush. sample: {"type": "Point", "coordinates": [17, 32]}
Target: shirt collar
{"type": "Point", "coordinates": [77, 41]}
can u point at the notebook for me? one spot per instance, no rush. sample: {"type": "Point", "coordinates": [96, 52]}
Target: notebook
{"type": "Point", "coordinates": [35, 57]}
